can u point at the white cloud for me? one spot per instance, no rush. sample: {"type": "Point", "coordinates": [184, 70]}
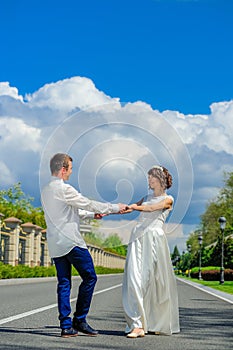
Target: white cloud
{"type": "Point", "coordinates": [222, 113]}
{"type": "Point", "coordinates": [7, 90]}
{"type": "Point", "coordinates": [213, 131]}
{"type": "Point", "coordinates": [7, 177]}
{"type": "Point", "coordinates": [188, 126]}
{"type": "Point", "coordinates": [113, 146]}
{"type": "Point", "coordinates": [15, 134]}
{"type": "Point", "coordinates": [68, 94]}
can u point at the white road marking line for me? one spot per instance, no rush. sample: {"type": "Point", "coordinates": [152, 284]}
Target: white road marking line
{"type": "Point", "coordinates": [45, 308]}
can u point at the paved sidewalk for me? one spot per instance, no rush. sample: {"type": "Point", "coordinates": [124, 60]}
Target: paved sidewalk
{"type": "Point", "coordinates": [11, 281]}
{"type": "Point", "coordinates": [224, 296]}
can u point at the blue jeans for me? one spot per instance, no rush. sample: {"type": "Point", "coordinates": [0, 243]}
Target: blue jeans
{"type": "Point", "coordinates": [81, 259]}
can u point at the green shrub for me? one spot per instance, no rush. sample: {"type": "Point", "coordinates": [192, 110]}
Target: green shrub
{"type": "Point", "coordinates": [23, 271]}
{"type": "Point", "coordinates": [206, 268]}
{"type": "Point", "coordinates": [212, 273]}
{"type": "Point", "coordinates": [105, 270]}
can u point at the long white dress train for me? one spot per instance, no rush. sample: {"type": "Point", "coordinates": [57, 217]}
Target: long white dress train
{"type": "Point", "coordinates": [149, 292]}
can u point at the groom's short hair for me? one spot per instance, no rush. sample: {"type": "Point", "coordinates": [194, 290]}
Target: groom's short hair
{"type": "Point", "coordinates": [59, 161]}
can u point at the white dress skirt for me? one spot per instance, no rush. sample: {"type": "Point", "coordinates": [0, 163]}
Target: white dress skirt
{"type": "Point", "coordinates": [149, 291]}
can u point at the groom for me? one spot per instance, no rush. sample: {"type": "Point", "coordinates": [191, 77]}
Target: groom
{"type": "Point", "coordinates": [63, 206]}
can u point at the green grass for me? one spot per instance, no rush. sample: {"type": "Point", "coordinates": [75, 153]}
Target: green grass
{"type": "Point", "coordinates": [226, 287]}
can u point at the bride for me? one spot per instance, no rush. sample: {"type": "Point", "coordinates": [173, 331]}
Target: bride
{"type": "Point", "coordinates": [149, 291]}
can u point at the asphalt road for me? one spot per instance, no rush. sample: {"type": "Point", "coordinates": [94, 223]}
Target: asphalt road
{"type": "Point", "coordinates": [28, 319]}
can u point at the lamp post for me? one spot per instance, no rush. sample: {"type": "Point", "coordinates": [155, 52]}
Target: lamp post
{"type": "Point", "coordinates": [189, 262]}
{"type": "Point", "coordinates": [1, 216]}
{"type": "Point", "coordinates": [222, 222]}
{"type": "Point", "coordinates": [200, 244]}
{"type": "Point", "coordinates": [175, 263]}
{"type": "Point", "coordinates": [183, 262]}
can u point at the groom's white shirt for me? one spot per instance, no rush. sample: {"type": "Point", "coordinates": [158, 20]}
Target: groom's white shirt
{"type": "Point", "coordinates": [63, 207]}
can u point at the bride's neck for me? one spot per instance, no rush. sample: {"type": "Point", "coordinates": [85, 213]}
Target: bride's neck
{"type": "Point", "coordinates": [159, 193]}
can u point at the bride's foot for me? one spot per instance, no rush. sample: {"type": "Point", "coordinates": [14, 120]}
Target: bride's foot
{"type": "Point", "coordinates": [136, 333]}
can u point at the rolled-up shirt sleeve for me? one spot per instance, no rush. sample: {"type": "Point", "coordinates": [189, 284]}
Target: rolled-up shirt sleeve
{"type": "Point", "coordinates": [76, 199]}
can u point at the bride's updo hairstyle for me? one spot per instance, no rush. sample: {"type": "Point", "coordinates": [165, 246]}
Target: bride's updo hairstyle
{"type": "Point", "coordinates": [162, 174]}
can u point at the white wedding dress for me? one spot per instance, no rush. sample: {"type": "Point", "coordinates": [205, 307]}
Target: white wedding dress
{"type": "Point", "coordinates": [149, 292]}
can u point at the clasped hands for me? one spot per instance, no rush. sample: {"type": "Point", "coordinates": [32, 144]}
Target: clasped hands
{"type": "Point", "coordinates": [131, 207]}
{"type": "Point", "coordinates": [124, 209]}
{"type": "Point", "coordinates": [127, 209]}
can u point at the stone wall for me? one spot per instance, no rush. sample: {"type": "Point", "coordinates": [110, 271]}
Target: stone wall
{"type": "Point", "coordinates": [26, 244]}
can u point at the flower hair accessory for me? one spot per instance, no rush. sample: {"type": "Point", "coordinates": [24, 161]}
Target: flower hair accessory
{"type": "Point", "coordinates": [157, 167]}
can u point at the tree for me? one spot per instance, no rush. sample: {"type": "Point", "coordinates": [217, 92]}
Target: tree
{"type": "Point", "coordinates": [114, 244]}
{"type": "Point", "coordinates": [222, 205]}
{"type": "Point", "coordinates": [228, 253]}
{"type": "Point", "coordinates": [94, 239]}
{"type": "Point", "coordinates": [175, 256]}
{"type": "Point", "coordinates": [14, 202]}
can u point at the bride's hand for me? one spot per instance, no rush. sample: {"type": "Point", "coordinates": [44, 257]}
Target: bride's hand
{"type": "Point", "coordinates": [133, 206]}
{"type": "Point", "coordinates": [130, 208]}
{"type": "Point", "coordinates": [127, 210]}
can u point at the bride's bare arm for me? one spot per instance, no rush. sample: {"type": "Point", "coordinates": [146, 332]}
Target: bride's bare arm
{"type": "Point", "coordinates": [164, 204]}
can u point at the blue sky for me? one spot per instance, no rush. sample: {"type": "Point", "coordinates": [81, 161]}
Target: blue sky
{"type": "Point", "coordinates": [163, 67]}
{"type": "Point", "coordinates": [172, 54]}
